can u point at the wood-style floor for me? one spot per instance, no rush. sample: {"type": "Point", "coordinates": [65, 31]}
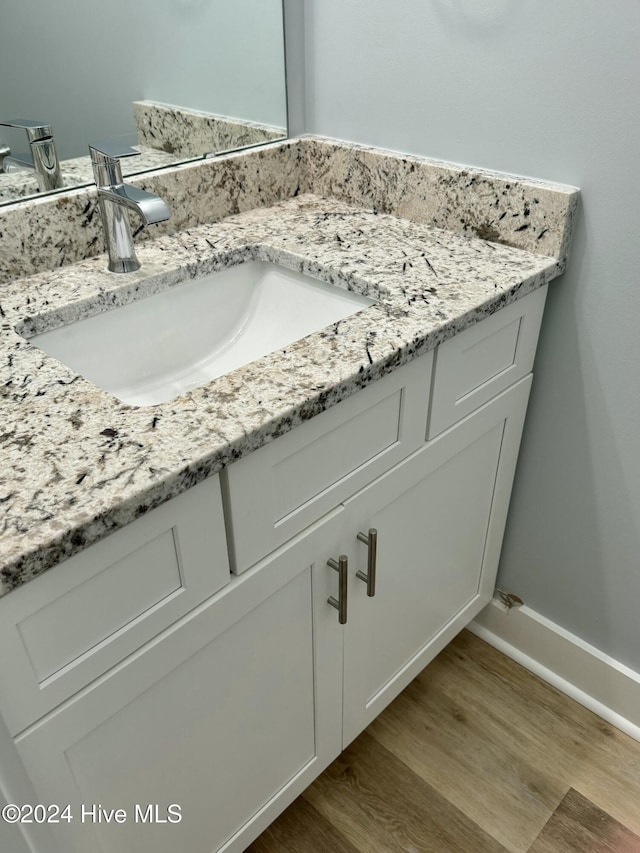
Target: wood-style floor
{"type": "Point", "coordinates": [477, 754]}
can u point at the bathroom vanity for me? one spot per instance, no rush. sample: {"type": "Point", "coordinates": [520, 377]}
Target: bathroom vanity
{"type": "Point", "coordinates": [193, 631]}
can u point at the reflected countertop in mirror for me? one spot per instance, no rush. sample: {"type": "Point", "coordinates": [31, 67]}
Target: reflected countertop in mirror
{"type": "Point", "coordinates": [21, 184]}
{"type": "Point", "coordinates": [177, 79]}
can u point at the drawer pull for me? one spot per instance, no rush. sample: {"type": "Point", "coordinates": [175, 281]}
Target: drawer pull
{"type": "Point", "coordinates": [340, 603]}
{"type": "Point", "coordinates": [371, 541]}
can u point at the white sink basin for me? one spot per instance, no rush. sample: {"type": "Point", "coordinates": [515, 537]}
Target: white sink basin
{"type": "Point", "coordinates": [155, 349]}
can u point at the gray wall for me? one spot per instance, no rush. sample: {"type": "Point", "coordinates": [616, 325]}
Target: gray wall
{"type": "Point", "coordinates": [80, 63]}
{"type": "Point", "coordinates": [549, 89]}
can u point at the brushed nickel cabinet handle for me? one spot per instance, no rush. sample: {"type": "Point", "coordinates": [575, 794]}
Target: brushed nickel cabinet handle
{"type": "Point", "coordinates": [340, 603]}
{"type": "Point", "coordinates": [371, 541]}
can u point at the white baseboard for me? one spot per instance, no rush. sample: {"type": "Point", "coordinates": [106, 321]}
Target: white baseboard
{"type": "Point", "coordinates": [595, 680]}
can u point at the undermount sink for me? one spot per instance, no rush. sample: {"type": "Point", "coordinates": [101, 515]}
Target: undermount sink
{"type": "Point", "coordinates": [161, 346]}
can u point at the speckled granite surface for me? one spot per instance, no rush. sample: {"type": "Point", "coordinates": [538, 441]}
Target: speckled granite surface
{"type": "Point", "coordinates": [53, 231]}
{"type": "Point", "coordinates": [79, 464]}
{"type": "Point", "coordinates": [190, 133]}
{"type": "Point", "coordinates": [521, 212]}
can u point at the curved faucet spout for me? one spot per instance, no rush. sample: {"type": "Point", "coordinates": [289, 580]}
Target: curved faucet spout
{"type": "Point", "coordinates": [148, 206]}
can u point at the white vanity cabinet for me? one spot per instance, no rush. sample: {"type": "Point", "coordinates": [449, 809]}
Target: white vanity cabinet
{"type": "Point", "coordinates": [221, 720]}
{"type": "Point", "coordinates": [231, 708]}
{"type": "Point", "coordinates": [439, 518]}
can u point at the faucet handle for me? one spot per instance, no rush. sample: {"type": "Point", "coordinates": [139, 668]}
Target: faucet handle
{"type": "Point", "coordinates": [112, 150]}
{"type": "Point", "coordinates": [36, 130]}
{"type": "Point", "coordinates": [105, 157]}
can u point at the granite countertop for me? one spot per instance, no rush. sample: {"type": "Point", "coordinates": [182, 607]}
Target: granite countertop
{"type": "Point", "coordinates": [78, 464]}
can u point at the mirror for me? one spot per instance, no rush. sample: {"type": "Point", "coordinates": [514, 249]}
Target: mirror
{"type": "Point", "coordinates": [176, 79]}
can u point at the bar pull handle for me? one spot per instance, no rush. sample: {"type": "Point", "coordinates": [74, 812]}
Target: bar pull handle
{"type": "Point", "coordinates": [371, 541]}
{"type": "Point", "coordinates": [340, 603]}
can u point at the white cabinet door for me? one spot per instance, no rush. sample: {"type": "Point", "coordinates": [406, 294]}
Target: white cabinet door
{"type": "Point", "coordinates": [216, 725]}
{"type": "Point", "coordinates": [440, 518]}
{"type": "Point", "coordinates": [72, 624]}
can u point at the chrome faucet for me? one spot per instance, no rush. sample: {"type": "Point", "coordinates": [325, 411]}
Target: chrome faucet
{"type": "Point", "coordinates": [114, 197]}
{"type": "Point", "coordinates": [5, 151]}
{"type": "Point", "coordinates": [44, 159]}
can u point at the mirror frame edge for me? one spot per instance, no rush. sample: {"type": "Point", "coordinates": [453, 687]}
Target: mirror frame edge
{"type": "Point", "coordinates": [293, 28]}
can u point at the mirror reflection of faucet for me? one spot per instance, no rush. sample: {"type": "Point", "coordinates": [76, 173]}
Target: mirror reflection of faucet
{"type": "Point", "coordinates": [5, 152]}
{"type": "Point", "coordinates": [42, 160]}
{"type": "Point", "coordinates": [114, 198]}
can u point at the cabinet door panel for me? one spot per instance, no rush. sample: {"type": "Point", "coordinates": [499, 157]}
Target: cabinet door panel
{"type": "Point", "coordinates": [220, 734]}
{"type": "Point", "coordinates": [432, 514]}
{"type": "Point", "coordinates": [274, 493]}
{"type": "Point", "coordinates": [69, 626]}
{"type": "Point", "coordinates": [485, 359]}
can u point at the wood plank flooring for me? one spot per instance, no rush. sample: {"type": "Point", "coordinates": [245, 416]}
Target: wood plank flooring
{"type": "Point", "coordinates": [476, 754]}
{"type": "Point", "coordinates": [577, 824]}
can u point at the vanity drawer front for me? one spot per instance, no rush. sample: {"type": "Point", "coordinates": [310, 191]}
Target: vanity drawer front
{"type": "Point", "coordinates": [280, 489]}
{"type": "Point", "coordinates": [484, 360]}
{"type": "Point", "coordinates": [67, 627]}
